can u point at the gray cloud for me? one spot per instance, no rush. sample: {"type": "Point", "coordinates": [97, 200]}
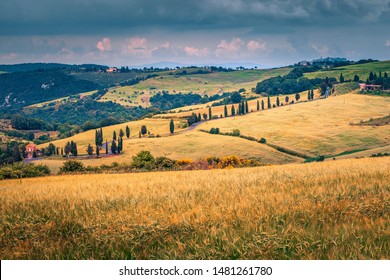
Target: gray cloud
{"type": "Point", "coordinates": [194, 29]}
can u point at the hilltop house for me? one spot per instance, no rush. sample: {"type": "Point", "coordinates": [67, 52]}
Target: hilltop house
{"type": "Point", "coordinates": [112, 70]}
{"type": "Point", "coordinates": [30, 149]}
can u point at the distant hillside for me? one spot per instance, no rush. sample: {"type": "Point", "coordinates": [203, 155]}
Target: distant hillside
{"type": "Point", "coordinates": [362, 70]}
{"type": "Point", "coordinates": [24, 67]}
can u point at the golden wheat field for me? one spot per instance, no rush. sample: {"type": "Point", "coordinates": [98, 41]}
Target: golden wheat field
{"type": "Point", "coordinates": [328, 210]}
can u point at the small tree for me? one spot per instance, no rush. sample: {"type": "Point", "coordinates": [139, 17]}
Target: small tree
{"type": "Point", "coordinates": [357, 79]}
{"type": "Point", "coordinates": [269, 102]}
{"type": "Point", "coordinates": [246, 107]}
{"type": "Point", "coordinates": [312, 94]}
{"type": "Point", "coordinates": [114, 135]}
{"type": "Point", "coordinates": [204, 116]}
{"type": "Point", "coordinates": [171, 127]}
{"type": "Point", "coordinates": [225, 111]}
{"type": "Point", "coordinates": [297, 96]}
{"type": "Point", "coordinates": [277, 101]}
{"type": "Point", "coordinates": [127, 131]}
{"type": "Point", "coordinates": [286, 99]}
{"type": "Point", "coordinates": [121, 133]}
{"type": "Point", "coordinates": [144, 130]}
{"type": "Point", "coordinates": [341, 78]}
{"type": "Point", "coordinates": [74, 149]}
{"type": "Point", "coordinates": [233, 110]}
{"type": "Point", "coordinates": [258, 105]}
{"type": "Point", "coordinates": [308, 94]}
{"type": "Point", "coordinates": [89, 150]}
{"type": "Point", "coordinates": [97, 150]}
{"type": "Point", "coordinates": [262, 104]}
{"type": "Point", "coordinates": [106, 147]}
{"type": "Point", "coordinates": [210, 113]}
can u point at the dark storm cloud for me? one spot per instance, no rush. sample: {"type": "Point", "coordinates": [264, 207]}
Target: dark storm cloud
{"type": "Point", "coordinates": [48, 17]}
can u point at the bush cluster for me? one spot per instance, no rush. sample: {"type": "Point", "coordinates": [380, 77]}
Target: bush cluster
{"type": "Point", "coordinates": [20, 170]}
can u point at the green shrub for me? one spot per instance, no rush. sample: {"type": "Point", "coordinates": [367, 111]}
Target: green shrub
{"type": "Point", "coordinates": [71, 166]}
{"type": "Point", "coordinates": [143, 160]}
{"type": "Point", "coordinates": [263, 141]}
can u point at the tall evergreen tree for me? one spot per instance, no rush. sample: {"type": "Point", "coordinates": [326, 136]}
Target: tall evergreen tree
{"type": "Point", "coordinates": [385, 75]}
{"type": "Point", "coordinates": [144, 130]}
{"type": "Point", "coordinates": [101, 137]}
{"type": "Point", "coordinates": [74, 149]}
{"type": "Point", "coordinates": [121, 133]}
{"type": "Point", "coordinates": [120, 145]}
{"type": "Point", "coordinates": [210, 113]}
{"type": "Point", "coordinates": [199, 117]}
{"type": "Point", "coordinates": [308, 94]}
{"type": "Point", "coordinates": [277, 101]}
{"type": "Point", "coordinates": [114, 135]}
{"type": "Point", "coordinates": [233, 111]}
{"type": "Point", "coordinates": [258, 105]}
{"type": "Point", "coordinates": [246, 107]}
{"type": "Point", "coordinates": [67, 149]}
{"type": "Point", "coordinates": [287, 99]}
{"type": "Point", "coordinates": [312, 94]}
{"type": "Point", "coordinates": [127, 131]}
{"type": "Point", "coordinates": [96, 137]}
{"type": "Point", "coordinates": [341, 78]}
{"type": "Point", "coordinates": [225, 111]}
{"type": "Point", "coordinates": [262, 104]}
{"type": "Point", "coordinates": [171, 127]}
{"type": "Point", "coordinates": [297, 96]}
{"type": "Point", "coordinates": [269, 102]}
{"type": "Point", "coordinates": [356, 78]}
{"type": "Point", "coordinates": [106, 147]}
{"type": "Point", "coordinates": [113, 147]}
{"type": "Point", "coordinates": [97, 150]}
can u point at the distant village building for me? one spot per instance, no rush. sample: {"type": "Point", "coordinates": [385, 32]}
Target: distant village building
{"type": "Point", "coordinates": [30, 149]}
{"type": "Point", "coordinates": [112, 70]}
{"type": "Point", "coordinates": [370, 87]}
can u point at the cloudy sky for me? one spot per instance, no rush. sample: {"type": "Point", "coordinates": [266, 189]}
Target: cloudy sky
{"type": "Point", "coordinates": [137, 32]}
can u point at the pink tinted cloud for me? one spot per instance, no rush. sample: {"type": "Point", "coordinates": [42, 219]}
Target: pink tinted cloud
{"type": "Point", "coordinates": [104, 45]}
{"type": "Point", "coordinates": [254, 45]}
{"type": "Point", "coordinates": [225, 48]}
{"type": "Point", "coordinates": [137, 46]}
{"type": "Point", "coordinates": [192, 51]}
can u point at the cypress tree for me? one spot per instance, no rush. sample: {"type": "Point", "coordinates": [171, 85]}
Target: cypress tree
{"type": "Point", "coordinates": [101, 137]}
{"type": "Point", "coordinates": [114, 135]}
{"type": "Point", "coordinates": [199, 117]}
{"type": "Point", "coordinates": [277, 101]}
{"type": "Point", "coordinates": [62, 151]}
{"type": "Point", "coordinates": [312, 94]}
{"type": "Point", "coordinates": [308, 94]}
{"type": "Point", "coordinates": [269, 103]}
{"type": "Point", "coordinates": [239, 109]}
{"type": "Point", "coordinates": [106, 147]}
{"type": "Point", "coordinates": [341, 78]}
{"type": "Point", "coordinates": [225, 111]}
{"type": "Point", "coordinates": [97, 151]}
{"type": "Point", "coordinates": [113, 147]}
{"type": "Point", "coordinates": [246, 107]}
{"type": "Point", "coordinates": [210, 113]}
{"type": "Point", "coordinates": [171, 127]}
{"type": "Point", "coordinates": [258, 105]}
{"type": "Point", "coordinates": [120, 145]}
{"type": "Point", "coordinates": [127, 131]}
{"type": "Point", "coordinates": [121, 133]}
{"type": "Point", "coordinates": [287, 99]}
{"type": "Point", "coordinates": [385, 75]}
{"type": "Point", "coordinates": [233, 110]}
{"type": "Point", "coordinates": [262, 104]}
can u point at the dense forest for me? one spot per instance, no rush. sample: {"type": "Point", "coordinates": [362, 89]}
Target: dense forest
{"type": "Point", "coordinates": [290, 83]}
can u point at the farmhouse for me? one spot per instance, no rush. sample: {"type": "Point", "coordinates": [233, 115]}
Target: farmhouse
{"type": "Point", "coordinates": [112, 70]}
{"type": "Point", "coordinates": [369, 87]}
{"type": "Point", "coordinates": [30, 149]}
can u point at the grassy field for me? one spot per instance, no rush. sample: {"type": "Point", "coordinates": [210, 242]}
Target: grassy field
{"type": "Point", "coordinates": [329, 210]}
{"type": "Point", "coordinates": [318, 127]}
{"type": "Point", "coordinates": [156, 127]}
{"type": "Point", "coordinates": [61, 100]}
{"type": "Point", "coordinates": [362, 70]}
{"type": "Point", "coordinates": [203, 84]}
{"type": "Point", "coordinates": [192, 145]}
